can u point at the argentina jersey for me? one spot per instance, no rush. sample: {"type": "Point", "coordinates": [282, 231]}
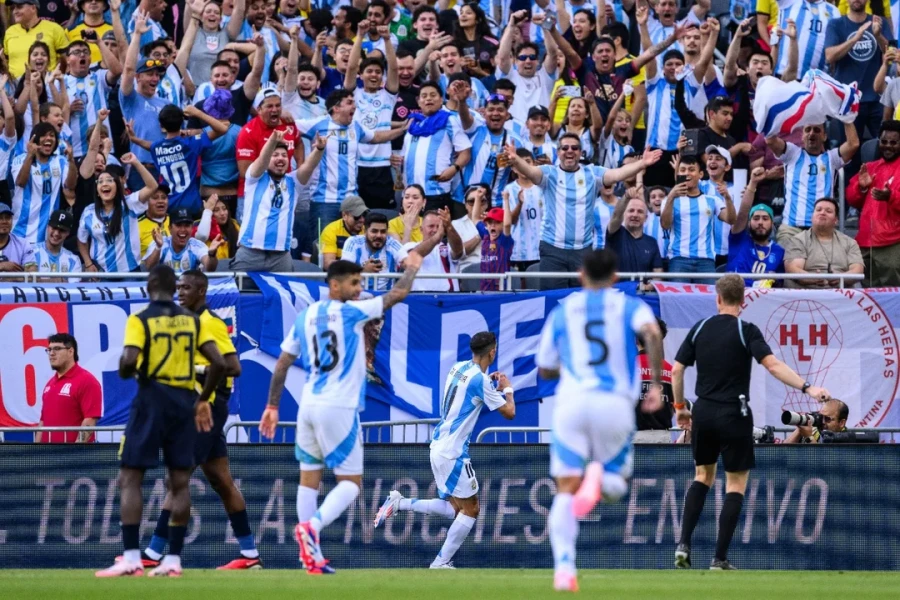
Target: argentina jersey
{"type": "Point", "coordinates": [614, 152]}
{"type": "Point", "coordinates": [92, 90]}
{"type": "Point", "coordinates": [546, 148]}
{"type": "Point", "coordinates": [602, 215]}
{"type": "Point", "coordinates": [659, 33]}
{"type": "Point", "coordinates": [270, 41]}
{"type": "Point", "coordinates": [591, 338]}
{"type": "Point", "coordinates": [328, 337]}
{"type": "Point", "coordinates": [391, 254]}
{"type": "Point", "coordinates": [483, 168]}
{"type": "Point", "coordinates": [427, 156]}
{"type": "Point", "coordinates": [806, 179]}
{"type": "Point", "coordinates": [526, 231]}
{"type": "Point", "coordinates": [466, 390]}
{"type": "Point", "coordinates": [114, 254]}
{"type": "Point", "coordinates": [33, 203]}
{"type": "Point", "coordinates": [171, 87]}
{"type": "Point", "coordinates": [569, 205]}
{"type": "Point", "coordinates": [811, 19]}
{"type": "Point", "coordinates": [156, 32]}
{"type": "Point", "coordinates": [721, 229]}
{"type": "Point", "coordinates": [663, 123]}
{"type": "Point", "coordinates": [190, 257]}
{"type": "Point", "coordinates": [270, 206]}
{"type": "Point", "coordinates": [48, 262]}
{"type": "Point", "coordinates": [335, 176]}
{"type": "Point", "coordinates": [693, 228]}
{"type": "Point", "coordinates": [653, 228]}
{"type": "Point", "coordinates": [205, 90]}
{"type": "Point", "coordinates": [477, 99]}
{"type": "Point", "coordinates": [373, 112]}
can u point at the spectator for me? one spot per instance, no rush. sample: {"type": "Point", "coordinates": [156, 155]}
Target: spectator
{"type": "Point", "coordinates": [332, 78]}
{"type": "Point", "coordinates": [822, 249]}
{"type": "Point", "coordinates": [476, 202]}
{"type": "Point", "coordinates": [205, 37]}
{"type": "Point", "coordinates": [73, 396]}
{"type": "Point", "coordinates": [534, 82]}
{"type": "Point", "coordinates": [603, 210]}
{"type": "Point", "coordinates": [661, 419]}
{"type": "Point", "coordinates": [336, 234]}
{"type": "Point", "coordinates": [689, 214]}
{"type": "Point", "coordinates": [399, 20]}
{"type": "Point", "coordinates": [875, 191]}
{"type": "Point", "coordinates": [108, 234]}
{"type": "Point", "coordinates": [538, 141]}
{"type": "Point", "coordinates": [583, 120]}
{"type": "Point", "coordinates": [407, 226]}
{"type": "Point", "coordinates": [662, 23]}
{"type": "Point", "coordinates": [615, 139]}
{"type": "Point", "coordinates": [473, 34]}
{"type": "Point", "coordinates": [718, 164]}
{"type": "Point", "coordinates": [834, 419]}
{"type": "Point", "coordinates": [300, 97]}
{"type": "Point", "coordinates": [156, 219]}
{"type": "Point", "coordinates": [175, 85]}
{"type": "Point", "coordinates": [216, 222]}
{"type": "Point", "coordinates": [636, 101]}
{"type": "Point", "coordinates": [496, 244]}
{"type": "Point", "coordinates": [812, 18]}
{"type": "Point", "coordinates": [407, 92]}
{"type": "Point", "coordinates": [526, 213]}
{"type": "Point", "coordinates": [181, 251]}
{"type": "Point", "coordinates": [451, 63]}
{"type": "Point", "coordinates": [33, 88]}
{"type": "Point", "coordinates": [719, 116]}
{"type": "Point", "coordinates": [50, 255]}
{"type": "Point", "coordinates": [809, 174]}
{"type": "Point", "coordinates": [637, 252]}
{"type": "Point", "coordinates": [345, 22]}
{"type": "Point", "coordinates": [375, 250]}
{"type": "Point", "coordinates": [440, 248]}
{"type": "Point", "coordinates": [28, 28]}
{"type": "Point", "coordinates": [93, 26]}
{"type": "Point", "coordinates": [8, 140]}
{"type": "Point", "coordinates": [219, 175]}
{"type": "Point", "coordinates": [150, 12]}
{"type": "Point", "coordinates": [16, 255]}
{"type": "Point", "coordinates": [256, 24]}
{"type": "Point", "coordinates": [271, 193]}
{"type": "Point", "coordinates": [223, 76]}
{"type": "Point", "coordinates": [751, 248]}
{"type": "Point", "coordinates": [99, 151]}
{"type": "Point", "coordinates": [87, 90]}
{"type": "Point", "coordinates": [425, 24]}
{"type": "Point", "coordinates": [652, 227]}
{"type": "Point", "coordinates": [581, 32]}
{"type": "Point", "coordinates": [374, 40]}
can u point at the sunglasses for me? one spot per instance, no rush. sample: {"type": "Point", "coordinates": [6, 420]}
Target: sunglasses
{"type": "Point", "coordinates": [567, 147]}
{"type": "Point", "coordinates": [524, 57]}
{"type": "Point", "coordinates": [497, 98]}
{"type": "Point", "coordinates": [361, 217]}
{"type": "Point", "coordinates": [152, 63]}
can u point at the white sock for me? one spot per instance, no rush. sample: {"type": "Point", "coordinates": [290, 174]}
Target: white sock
{"type": "Point", "coordinates": [436, 506]}
{"type": "Point", "coordinates": [132, 556]}
{"type": "Point", "coordinates": [334, 504]}
{"type": "Point", "coordinates": [563, 532]}
{"type": "Point", "coordinates": [306, 503]}
{"type": "Point", "coordinates": [151, 553]}
{"type": "Point", "coordinates": [171, 560]}
{"type": "Point", "coordinates": [456, 535]}
{"type": "Point", "coordinates": [614, 487]}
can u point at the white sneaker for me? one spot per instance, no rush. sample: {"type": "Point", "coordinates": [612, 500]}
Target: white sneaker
{"type": "Point", "coordinates": [122, 568]}
{"type": "Point", "coordinates": [166, 569]}
{"type": "Point", "coordinates": [564, 581]}
{"type": "Point", "coordinates": [390, 506]}
{"type": "Point", "coordinates": [442, 565]}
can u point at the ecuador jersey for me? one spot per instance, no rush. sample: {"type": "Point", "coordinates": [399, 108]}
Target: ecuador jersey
{"type": "Point", "coordinates": [218, 329]}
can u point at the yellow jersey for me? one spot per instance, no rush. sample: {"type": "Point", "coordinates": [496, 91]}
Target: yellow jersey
{"type": "Point", "coordinates": [17, 41]}
{"type": "Point", "coordinates": [769, 7]}
{"type": "Point", "coordinates": [167, 337]}
{"type": "Point", "coordinates": [219, 332]}
{"type": "Point", "coordinates": [333, 238]}
{"type": "Point", "coordinates": [397, 227]}
{"type": "Point", "coordinates": [75, 36]}
{"type": "Point", "coordinates": [146, 226]}
{"type": "Point", "coordinates": [844, 7]}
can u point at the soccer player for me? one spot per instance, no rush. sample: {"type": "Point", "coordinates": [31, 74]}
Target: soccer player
{"type": "Point", "coordinates": [211, 449]}
{"type": "Point", "coordinates": [160, 345]}
{"type": "Point", "coordinates": [327, 335]}
{"type": "Point", "coordinates": [590, 342]}
{"type": "Point", "coordinates": [467, 389]}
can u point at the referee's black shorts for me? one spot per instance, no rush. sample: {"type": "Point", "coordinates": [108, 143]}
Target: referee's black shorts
{"type": "Point", "coordinates": [211, 444]}
{"type": "Point", "coordinates": [719, 428]}
{"type": "Point", "coordinates": [161, 416]}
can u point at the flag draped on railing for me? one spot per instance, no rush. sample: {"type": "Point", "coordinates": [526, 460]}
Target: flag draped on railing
{"type": "Point", "coordinates": [781, 107]}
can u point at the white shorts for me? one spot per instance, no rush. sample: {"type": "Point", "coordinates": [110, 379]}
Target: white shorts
{"type": "Point", "coordinates": [454, 477]}
{"type": "Point", "coordinates": [329, 436]}
{"type": "Point", "coordinates": [598, 428]}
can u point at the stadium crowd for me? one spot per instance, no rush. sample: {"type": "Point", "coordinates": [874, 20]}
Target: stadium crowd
{"type": "Point", "coordinates": [490, 137]}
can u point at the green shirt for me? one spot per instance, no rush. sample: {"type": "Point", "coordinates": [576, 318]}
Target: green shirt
{"type": "Point", "coordinates": [401, 26]}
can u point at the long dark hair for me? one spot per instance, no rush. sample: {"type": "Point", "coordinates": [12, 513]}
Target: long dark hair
{"type": "Point", "coordinates": [482, 27]}
{"type": "Point", "coordinates": [114, 225]}
{"type": "Point", "coordinates": [229, 231]}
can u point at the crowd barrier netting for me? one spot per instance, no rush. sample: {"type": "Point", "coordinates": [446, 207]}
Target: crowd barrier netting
{"type": "Point", "coordinates": [807, 507]}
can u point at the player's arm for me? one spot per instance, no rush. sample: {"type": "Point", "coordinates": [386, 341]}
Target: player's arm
{"type": "Point", "coordinates": [215, 372]}
{"type": "Point", "coordinates": [135, 336]}
{"type": "Point", "coordinates": [401, 289]}
{"type": "Point", "coordinates": [508, 408]}
{"type": "Point", "coordinates": [790, 378]}
{"type": "Point", "coordinates": [276, 388]}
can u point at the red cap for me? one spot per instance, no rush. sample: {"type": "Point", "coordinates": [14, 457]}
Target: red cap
{"type": "Point", "coordinates": [495, 214]}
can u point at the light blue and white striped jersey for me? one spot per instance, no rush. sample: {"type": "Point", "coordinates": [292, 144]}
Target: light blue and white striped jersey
{"type": "Point", "coordinates": [427, 157]}
{"type": "Point", "coordinates": [806, 179]}
{"type": "Point", "coordinates": [328, 337]}
{"type": "Point", "coordinates": [659, 33]}
{"type": "Point", "coordinates": [721, 229]}
{"type": "Point", "coordinates": [205, 90]}
{"type": "Point", "coordinates": [895, 16]}
{"type": "Point", "coordinates": [613, 152]}
{"type": "Point", "coordinates": [547, 148]}
{"type": "Point", "coordinates": [588, 145]}
{"type": "Point", "coordinates": [591, 337]}
{"type": "Point", "coordinates": [301, 109]}
{"type": "Point", "coordinates": [391, 255]}
{"type": "Point", "coordinates": [336, 175]}
{"type": "Point", "coordinates": [654, 229]}
{"type": "Point", "coordinates": [269, 208]}
{"type": "Point", "coordinates": [270, 41]}
{"type": "Point", "coordinates": [121, 254]}
{"type": "Point", "coordinates": [526, 232]}
{"type": "Point", "coordinates": [49, 262]}
{"type": "Point", "coordinates": [368, 45]}
{"type": "Point", "coordinates": [93, 91]}
{"type": "Point", "coordinates": [693, 227]}
{"type": "Point", "coordinates": [663, 123]}
{"type": "Point", "coordinates": [518, 129]}
{"type": "Point", "coordinates": [373, 111]}
{"type": "Point", "coordinates": [171, 87]}
{"type": "Point", "coordinates": [33, 203]}
{"type": "Point", "coordinates": [478, 97]}
{"type": "Point", "coordinates": [466, 390]}
{"type": "Point", "coordinates": [602, 216]}
{"type": "Point", "coordinates": [156, 31]}
{"type": "Point", "coordinates": [569, 199]}
{"type": "Point", "coordinates": [8, 145]}
{"type": "Point", "coordinates": [812, 22]}
{"type": "Point", "coordinates": [482, 168]}
{"type": "Point", "coordinates": [190, 257]}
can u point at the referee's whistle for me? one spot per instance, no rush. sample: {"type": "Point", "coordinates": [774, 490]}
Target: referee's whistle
{"type": "Point", "coordinates": [743, 400]}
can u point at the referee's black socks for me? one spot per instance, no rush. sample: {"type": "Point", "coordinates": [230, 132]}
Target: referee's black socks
{"type": "Point", "coordinates": [693, 506]}
{"type": "Point", "coordinates": [731, 511]}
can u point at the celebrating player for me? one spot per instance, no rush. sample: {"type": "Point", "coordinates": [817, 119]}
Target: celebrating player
{"type": "Point", "coordinates": [160, 345]}
{"type": "Point", "coordinates": [327, 335]}
{"type": "Point", "coordinates": [466, 390]}
{"type": "Point", "coordinates": [589, 342]}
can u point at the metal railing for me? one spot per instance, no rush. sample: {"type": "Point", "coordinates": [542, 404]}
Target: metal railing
{"type": "Point", "coordinates": [102, 433]}
{"type": "Point", "coordinates": [374, 432]}
{"type": "Point", "coordinates": [540, 435]}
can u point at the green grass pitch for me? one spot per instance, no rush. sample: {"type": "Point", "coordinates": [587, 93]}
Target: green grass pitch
{"type": "Point", "coordinates": [462, 584]}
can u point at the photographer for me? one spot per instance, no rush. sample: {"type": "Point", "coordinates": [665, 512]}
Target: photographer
{"type": "Point", "coordinates": [833, 416]}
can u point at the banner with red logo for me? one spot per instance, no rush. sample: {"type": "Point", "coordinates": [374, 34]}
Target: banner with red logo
{"type": "Point", "coordinates": [843, 340]}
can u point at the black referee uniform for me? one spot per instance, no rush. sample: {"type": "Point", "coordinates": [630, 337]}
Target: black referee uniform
{"type": "Point", "coordinates": [722, 347]}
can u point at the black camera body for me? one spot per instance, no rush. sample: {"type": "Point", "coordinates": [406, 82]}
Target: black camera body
{"type": "Point", "coordinates": [803, 419]}
{"type": "Point", "coordinates": [850, 437]}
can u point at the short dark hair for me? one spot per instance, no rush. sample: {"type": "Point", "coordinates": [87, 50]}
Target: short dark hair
{"type": "Point", "coordinates": [431, 84]}
{"type": "Point", "coordinates": [380, 3]}
{"type": "Point", "coordinates": [504, 84]}
{"type": "Point", "coordinates": [617, 29]}
{"type": "Point", "coordinates": [731, 289]}
{"type": "Point", "coordinates": [336, 97]}
{"type": "Point", "coordinates": [352, 16]}
{"type": "Point", "coordinates": [171, 118]}
{"type": "Point", "coordinates": [369, 61]}
{"type": "Point", "coordinates": [461, 76]}
{"type": "Point", "coordinates": [232, 50]}
{"type": "Point", "coordinates": [404, 52]}
{"type": "Point", "coordinates": [452, 44]}
{"type": "Point", "coordinates": [307, 67]}
{"type": "Point", "coordinates": [162, 278]}
{"type": "Point", "coordinates": [67, 340]}
{"type": "Point", "coordinates": [77, 43]}
{"type": "Point", "coordinates": [523, 153]}
{"type": "Point", "coordinates": [759, 51]}
{"type": "Point", "coordinates": [320, 19]}
{"type": "Point", "coordinates": [569, 134]}
{"type": "Point", "coordinates": [151, 46]}
{"type": "Point", "coordinates": [663, 328]}
{"type": "Point", "coordinates": [482, 343]}
{"type": "Point", "coordinates": [44, 109]}
{"type": "Point", "coordinates": [603, 40]}
{"type": "Point", "coordinates": [375, 217]}
{"type": "Point", "coordinates": [889, 125]}
{"type": "Point", "coordinates": [600, 265]}
{"type": "Point", "coordinates": [672, 54]}
{"type": "Point", "coordinates": [421, 10]}
{"type": "Point", "coordinates": [829, 200]}
{"type": "Point", "coordinates": [843, 409]}
{"type": "Point", "coordinates": [531, 45]}
{"type": "Point", "coordinates": [220, 63]}
{"type": "Point", "coordinates": [198, 275]}
{"type": "Point", "coordinates": [592, 18]}
{"type": "Point", "coordinates": [718, 103]}
{"type": "Point", "coordinates": [340, 269]}
{"type": "Point", "coordinates": [691, 160]}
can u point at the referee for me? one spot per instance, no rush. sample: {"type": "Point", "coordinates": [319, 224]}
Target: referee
{"type": "Point", "coordinates": [722, 348]}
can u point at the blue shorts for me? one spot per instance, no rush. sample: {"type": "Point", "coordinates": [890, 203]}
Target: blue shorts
{"type": "Point", "coordinates": [211, 444]}
{"type": "Point", "coordinates": [161, 417]}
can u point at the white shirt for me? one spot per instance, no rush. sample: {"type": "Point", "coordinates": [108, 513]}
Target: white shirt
{"type": "Point", "coordinates": [427, 157]}
{"type": "Point", "coordinates": [335, 177]}
{"type": "Point", "coordinates": [269, 212]}
{"type": "Point", "coordinates": [439, 260]}
{"type": "Point", "coordinates": [602, 216]}
{"type": "Point", "coordinates": [373, 112]}
{"type": "Point", "coordinates": [190, 257]}
{"type": "Point", "coordinates": [357, 250]}
{"type": "Point", "coordinates": [721, 229]}
{"type": "Point", "coordinates": [122, 253]}
{"type": "Point", "coordinates": [526, 232]}
{"type": "Point", "coordinates": [33, 203]}
{"type": "Point", "coordinates": [663, 123]}
{"type": "Point", "coordinates": [467, 230]}
{"type": "Point", "coordinates": [93, 91]}
{"type": "Point", "coordinates": [569, 199]}
{"type": "Point", "coordinates": [64, 262]}
{"type": "Point", "coordinates": [171, 87]}
{"type": "Point", "coordinates": [812, 23]}
{"type": "Point", "coordinates": [693, 227]}
{"type": "Point", "coordinates": [530, 91]}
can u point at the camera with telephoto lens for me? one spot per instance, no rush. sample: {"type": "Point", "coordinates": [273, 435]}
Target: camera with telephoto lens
{"type": "Point", "coordinates": [850, 437]}
{"type": "Point", "coordinates": [764, 435]}
{"type": "Point", "coordinates": [803, 419]}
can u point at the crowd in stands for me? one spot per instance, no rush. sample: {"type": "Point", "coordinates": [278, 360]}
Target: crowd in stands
{"type": "Point", "coordinates": [489, 137]}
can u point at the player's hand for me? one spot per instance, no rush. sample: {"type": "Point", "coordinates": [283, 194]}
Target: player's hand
{"type": "Point", "coordinates": [652, 401]}
{"type": "Point", "coordinates": [501, 379]}
{"type": "Point", "coordinates": [683, 418]}
{"type": "Point", "coordinates": [268, 422]}
{"type": "Point", "coordinates": [819, 393]}
{"type": "Point", "coordinates": [413, 261]}
{"type": "Point", "coordinates": [203, 416]}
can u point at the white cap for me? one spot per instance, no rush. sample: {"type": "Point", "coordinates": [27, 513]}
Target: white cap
{"type": "Point", "coordinates": [263, 95]}
{"type": "Point", "coordinates": [720, 151]}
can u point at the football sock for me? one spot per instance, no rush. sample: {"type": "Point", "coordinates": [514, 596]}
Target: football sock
{"type": "Point", "coordinates": [176, 539]}
{"type": "Point", "coordinates": [456, 535]}
{"type": "Point", "coordinates": [614, 487]}
{"type": "Point", "coordinates": [436, 506]}
{"type": "Point", "coordinates": [693, 506]}
{"type": "Point", "coordinates": [240, 523]}
{"type": "Point", "coordinates": [160, 536]}
{"type": "Point", "coordinates": [563, 532]}
{"type": "Point", "coordinates": [334, 504]}
{"type": "Point", "coordinates": [306, 503]}
{"type": "Point", "coordinates": [731, 512]}
{"type": "Point", "coordinates": [131, 539]}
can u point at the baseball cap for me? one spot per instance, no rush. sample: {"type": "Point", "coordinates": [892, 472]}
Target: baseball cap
{"type": "Point", "coordinates": [538, 111]}
{"type": "Point", "coordinates": [264, 95]}
{"type": "Point", "coordinates": [109, 36]}
{"type": "Point", "coordinates": [181, 216]}
{"type": "Point", "coordinates": [762, 207]}
{"type": "Point", "coordinates": [720, 151]}
{"type": "Point", "coordinates": [32, 2]}
{"type": "Point", "coordinates": [354, 205]}
{"type": "Point", "coordinates": [150, 64]}
{"type": "Point", "coordinates": [495, 214]}
{"type": "Point", "coordinates": [61, 219]}
{"type": "Point", "coordinates": [5, 209]}
{"type": "Point", "coordinates": [162, 186]}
